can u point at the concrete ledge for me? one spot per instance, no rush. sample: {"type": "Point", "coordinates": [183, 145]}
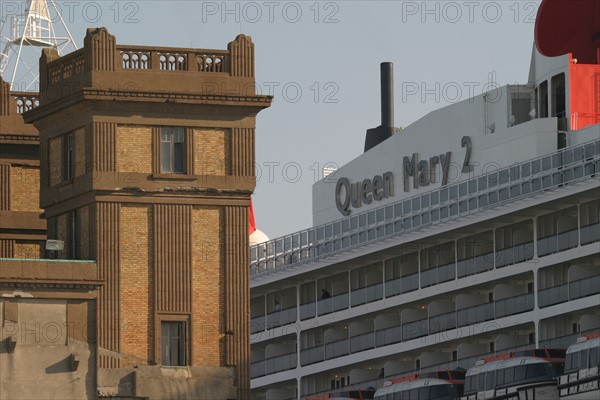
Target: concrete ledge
{"type": "Point", "coordinates": [48, 270]}
{"type": "Point", "coordinates": [157, 382]}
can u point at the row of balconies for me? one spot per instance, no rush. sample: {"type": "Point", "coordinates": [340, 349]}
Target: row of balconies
{"type": "Point", "coordinates": [466, 360]}
{"type": "Point", "coordinates": [347, 298]}
{"type": "Point", "coordinates": [433, 324]}
{"type": "Point", "coordinates": [395, 334]}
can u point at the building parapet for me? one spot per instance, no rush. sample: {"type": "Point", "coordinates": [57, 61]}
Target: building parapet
{"type": "Point", "coordinates": [104, 65]}
{"type": "Point", "coordinates": [13, 130]}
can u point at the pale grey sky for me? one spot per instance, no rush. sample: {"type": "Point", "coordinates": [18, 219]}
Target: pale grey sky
{"type": "Point", "coordinates": [321, 62]}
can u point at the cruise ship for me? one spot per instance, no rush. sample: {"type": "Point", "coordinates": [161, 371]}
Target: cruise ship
{"type": "Point", "coordinates": [471, 233]}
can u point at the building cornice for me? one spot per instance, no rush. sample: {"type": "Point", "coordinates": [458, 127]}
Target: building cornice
{"type": "Point", "coordinates": [7, 283]}
{"type": "Point", "coordinates": [255, 103]}
{"type": "Point", "coordinates": [7, 138]}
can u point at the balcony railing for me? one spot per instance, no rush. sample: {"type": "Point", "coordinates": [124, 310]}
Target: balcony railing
{"type": "Point", "coordinates": [282, 317]}
{"type": "Point", "coordinates": [362, 342]}
{"type": "Point", "coordinates": [514, 255]}
{"type": "Point", "coordinates": [26, 101]}
{"type": "Point", "coordinates": [333, 304]}
{"type": "Point", "coordinates": [366, 294]}
{"type": "Point", "coordinates": [257, 368]}
{"type": "Point", "coordinates": [523, 180]}
{"type": "Point", "coordinates": [165, 59]}
{"type": "Point", "coordinates": [514, 305]}
{"type": "Point", "coordinates": [442, 322]}
{"type": "Point", "coordinates": [390, 335]}
{"type": "Point", "coordinates": [519, 253]}
{"type": "Point", "coordinates": [415, 329]}
{"type": "Point", "coordinates": [475, 265]}
{"type": "Point", "coordinates": [559, 242]}
{"type": "Point", "coordinates": [280, 363]}
{"type": "Point", "coordinates": [475, 314]}
{"type": "Point", "coordinates": [409, 283]}
{"type": "Point", "coordinates": [590, 233]}
{"type": "Point", "coordinates": [402, 285]}
{"type": "Point", "coordinates": [569, 291]}
{"type": "Point", "coordinates": [563, 342]}
{"type": "Point", "coordinates": [273, 365]}
{"type": "Point", "coordinates": [434, 276]}
{"type": "Point", "coordinates": [308, 310]}
{"type": "Point", "coordinates": [257, 324]}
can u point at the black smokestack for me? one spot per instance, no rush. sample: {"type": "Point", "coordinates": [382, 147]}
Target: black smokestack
{"type": "Point", "coordinates": [386, 129]}
{"type": "Point", "coordinates": [387, 94]}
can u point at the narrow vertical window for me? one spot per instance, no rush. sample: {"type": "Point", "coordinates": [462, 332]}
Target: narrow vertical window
{"type": "Point", "coordinates": [173, 343]}
{"type": "Point", "coordinates": [73, 235]}
{"type": "Point", "coordinates": [559, 106]}
{"type": "Point", "coordinates": [543, 92]}
{"type": "Point", "coordinates": [172, 150]}
{"type": "Point", "coordinates": [69, 157]}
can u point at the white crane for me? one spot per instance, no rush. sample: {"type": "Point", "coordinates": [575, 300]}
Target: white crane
{"type": "Point", "coordinates": [30, 31]}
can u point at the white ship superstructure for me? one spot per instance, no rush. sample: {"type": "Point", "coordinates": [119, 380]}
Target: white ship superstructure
{"type": "Point", "coordinates": [474, 231]}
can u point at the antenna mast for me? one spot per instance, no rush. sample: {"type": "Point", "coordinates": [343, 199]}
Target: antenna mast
{"type": "Point", "coordinates": [29, 32]}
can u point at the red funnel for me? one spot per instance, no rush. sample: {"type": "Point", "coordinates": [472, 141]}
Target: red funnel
{"type": "Point", "coordinates": [569, 26]}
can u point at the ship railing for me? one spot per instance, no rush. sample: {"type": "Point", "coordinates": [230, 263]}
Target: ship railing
{"type": "Point", "coordinates": [569, 291]}
{"type": "Point", "coordinates": [419, 328]}
{"type": "Point", "coordinates": [566, 166]}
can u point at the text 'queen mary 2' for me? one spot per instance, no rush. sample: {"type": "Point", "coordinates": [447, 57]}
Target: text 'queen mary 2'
{"type": "Point", "coordinates": [470, 233]}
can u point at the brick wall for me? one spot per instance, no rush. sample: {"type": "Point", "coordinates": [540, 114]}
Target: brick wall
{"type": "Point", "coordinates": [25, 188]}
{"type": "Point", "coordinates": [212, 152]}
{"type": "Point", "coordinates": [134, 148]}
{"type": "Point", "coordinates": [136, 291]}
{"type": "Point", "coordinates": [208, 286]}
{"type": "Point", "coordinates": [55, 172]}
{"type": "Point", "coordinates": [79, 136]}
{"type": "Point", "coordinates": [28, 249]}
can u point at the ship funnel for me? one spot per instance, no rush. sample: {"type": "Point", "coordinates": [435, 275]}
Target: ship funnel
{"type": "Point", "coordinates": [387, 94]}
{"type": "Point", "coordinates": [386, 129]}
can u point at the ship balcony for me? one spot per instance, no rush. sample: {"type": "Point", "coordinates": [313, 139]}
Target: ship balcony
{"type": "Point", "coordinates": [567, 282]}
{"type": "Point", "coordinates": [366, 284]}
{"type": "Point", "coordinates": [373, 373]}
{"type": "Point", "coordinates": [405, 284]}
{"type": "Point", "coordinates": [271, 365]}
{"type": "Point", "coordinates": [277, 356]}
{"type": "Point", "coordinates": [360, 335]}
{"type": "Point", "coordinates": [513, 243]}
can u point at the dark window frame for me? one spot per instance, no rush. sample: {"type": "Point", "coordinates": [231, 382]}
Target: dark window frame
{"type": "Point", "coordinates": [167, 326]}
{"type": "Point", "coordinates": [173, 144]}
{"type": "Point", "coordinates": [73, 233]}
{"type": "Point", "coordinates": [68, 150]}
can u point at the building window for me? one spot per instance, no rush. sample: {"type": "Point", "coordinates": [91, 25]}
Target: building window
{"type": "Point", "coordinates": [543, 99]}
{"type": "Point", "coordinates": [69, 157]}
{"type": "Point", "coordinates": [559, 104]}
{"type": "Point", "coordinates": [172, 343]}
{"type": "Point", "coordinates": [172, 150]}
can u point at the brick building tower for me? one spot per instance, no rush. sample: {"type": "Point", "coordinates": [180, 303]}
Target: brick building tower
{"type": "Point", "coordinates": [147, 167]}
{"type": "Point", "coordinates": [22, 231]}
